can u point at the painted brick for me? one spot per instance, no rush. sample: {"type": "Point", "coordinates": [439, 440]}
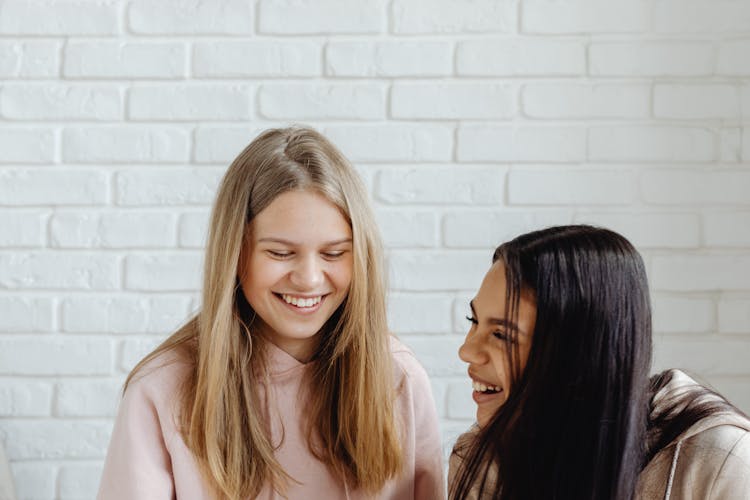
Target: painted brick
{"type": "Point", "coordinates": [685, 315]}
{"type": "Point", "coordinates": [76, 230]}
{"type": "Point", "coordinates": [168, 313]}
{"type": "Point", "coordinates": [408, 228]}
{"type": "Point", "coordinates": [701, 16]}
{"type": "Point", "coordinates": [175, 272]}
{"type": "Point", "coordinates": [22, 229]}
{"type": "Point", "coordinates": [453, 16]}
{"type": "Point", "coordinates": [195, 102]}
{"type": "Point", "coordinates": [389, 59]}
{"type": "Point", "coordinates": [149, 314]}
{"type": "Point", "coordinates": [520, 57]}
{"type": "Point", "coordinates": [193, 229]}
{"type": "Point", "coordinates": [25, 398]}
{"type": "Point", "coordinates": [746, 135]}
{"type": "Point", "coordinates": [734, 315]}
{"type": "Point", "coordinates": [58, 187]}
{"type": "Point", "coordinates": [486, 230]}
{"type": "Point", "coordinates": [58, 271]}
{"type": "Point", "coordinates": [26, 145]}
{"type": "Point", "coordinates": [727, 229]}
{"type": "Point", "coordinates": [57, 101]}
{"type": "Point", "coordinates": [87, 398]}
{"type": "Point", "coordinates": [58, 17]}
{"type": "Point", "coordinates": [734, 389]}
{"type": "Point", "coordinates": [650, 144]}
{"type": "Point", "coordinates": [34, 480]}
{"type": "Point", "coordinates": [113, 230]}
{"type": "Point", "coordinates": [26, 315]}
{"type": "Point", "coordinates": [450, 431]}
{"type": "Point", "coordinates": [573, 100]}
{"type": "Point", "coordinates": [222, 144]}
{"type": "Point", "coordinates": [127, 144]}
{"type": "Point", "coordinates": [700, 272]}
{"type": "Point", "coordinates": [452, 100]}
{"type": "Point", "coordinates": [393, 143]}
{"type": "Point", "coordinates": [507, 143]}
{"type": "Point", "coordinates": [116, 59]}
{"type": "Point", "coordinates": [409, 314]}
{"type": "Point", "coordinates": [543, 186]}
{"type": "Point", "coordinates": [649, 230]}
{"type": "Point", "coordinates": [177, 186]}
{"type": "Point", "coordinates": [437, 353]}
{"type": "Point", "coordinates": [730, 145]}
{"type": "Point", "coordinates": [732, 58]}
{"type": "Point", "coordinates": [190, 17]}
{"type": "Point", "coordinates": [436, 271]}
{"type": "Point", "coordinates": [585, 16]}
{"type": "Point", "coordinates": [78, 481]}
{"type": "Point", "coordinates": [23, 355]}
{"type": "Point", "coordinates": [132, 351]}
{"type": "Point", "coordinates": [296, 17]}
{"type": "Point", "coordinates": [728, 357]}
{"type": "Point", "coordinates": [460, 403]}
{"type": "Point", "coordinates": [322, 101]}
{"type": "Point", "coordinates": [440, 185]}
{"type": "Point", "coordinates": [55, 439]}
{"type": "Point", "coordinates": [29, 59]}
{"type": "Point", "coordinates": [673, 187]}
{"type": "Point", "coordinates": [633, 59]}
{"type": "Point", "coordinates": [461, 307]}
{"type": "Point", "coordinates": [256, 59]}
{"type": "Point", "coordinates": [366, 174]}
{"type": "Point", "coordinates": [696, 101]}
{"type": "Point", "coordinates": [745, 99]}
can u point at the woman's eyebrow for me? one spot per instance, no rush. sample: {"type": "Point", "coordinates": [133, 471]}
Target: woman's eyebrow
{"type": "Point", "coordinates": [284, 241]}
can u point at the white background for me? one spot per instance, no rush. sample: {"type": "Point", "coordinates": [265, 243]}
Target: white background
{"type": "Point", "coordinates": [470, 121]}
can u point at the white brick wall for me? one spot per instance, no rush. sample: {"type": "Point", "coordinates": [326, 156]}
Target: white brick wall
{"type": "Point", "coordinates": [470, 121]}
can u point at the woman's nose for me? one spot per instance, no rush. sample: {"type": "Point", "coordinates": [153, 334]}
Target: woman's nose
{"type": "Point", "coordinates": [471, 350]}
{"type": "Point", "coordinates": [307, 273]}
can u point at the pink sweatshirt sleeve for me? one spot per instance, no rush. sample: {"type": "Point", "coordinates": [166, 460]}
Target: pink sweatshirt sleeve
{"type": "Point", "coordinates": [138, 464]}
{"type": "Point", "coordinates": [429, 480]}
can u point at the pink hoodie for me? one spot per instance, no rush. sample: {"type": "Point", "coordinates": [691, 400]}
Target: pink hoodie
{"type": "Point", "coordinates": [148, 459]}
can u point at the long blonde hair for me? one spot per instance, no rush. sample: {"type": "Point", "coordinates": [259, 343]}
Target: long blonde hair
{"type": "Point", "coordinates": [353, 428]}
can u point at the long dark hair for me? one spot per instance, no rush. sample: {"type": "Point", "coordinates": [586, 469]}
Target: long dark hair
{"type": "Point", "coordinates": [575, 421]}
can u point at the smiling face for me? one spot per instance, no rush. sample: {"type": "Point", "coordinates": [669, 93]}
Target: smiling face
{"type": "Point", "coordinates": [295, 268]}
{"type": "Point", "coordinates": [486, 345]}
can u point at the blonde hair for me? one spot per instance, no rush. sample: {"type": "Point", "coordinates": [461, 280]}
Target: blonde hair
{"type": "Point", "coordinates": [353, 427]}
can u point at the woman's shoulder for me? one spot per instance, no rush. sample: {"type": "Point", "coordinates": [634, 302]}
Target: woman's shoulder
{"type": "Point", "coordinates": [404, 360]}
{"type": "Point", "coordinates": [711, 463]}
{"type": "Point", "coordinates": [159, 378]}
{"type": "Point", "coordinates": [710, 456]}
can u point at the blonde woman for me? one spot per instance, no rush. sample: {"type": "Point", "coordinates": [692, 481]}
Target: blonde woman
{"type": "Point", "coordinates": [287, 383]}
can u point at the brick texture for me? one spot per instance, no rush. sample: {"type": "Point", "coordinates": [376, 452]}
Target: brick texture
{"type": "Point", "coordinates": [470, 122]}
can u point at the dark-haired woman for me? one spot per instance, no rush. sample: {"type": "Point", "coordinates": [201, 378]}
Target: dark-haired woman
{"type": "Point", "coordinates": [559, 352]}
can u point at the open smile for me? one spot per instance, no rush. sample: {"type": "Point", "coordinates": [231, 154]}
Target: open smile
{"type": "Point", "coordinates": [483, 391]}
{"type": "Point", "coordinates": [301, 303]}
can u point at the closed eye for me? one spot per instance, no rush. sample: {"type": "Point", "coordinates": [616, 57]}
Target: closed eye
{"type": "Point", "coordinates": [279, 254]}
{"type": "Point", "coordinates": [472, 320]}
{"type": "Point", "coordinates": [333, 255]}
{"type": "Point", "coordinates": [504, 336]}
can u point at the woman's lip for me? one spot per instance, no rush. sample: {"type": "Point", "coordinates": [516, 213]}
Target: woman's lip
{"type": "Point", "coordinates": [302, 310]}
{"type": "Point", "coordinates": [302, 295]}
{"type": "Point", "coordinates": [481, 397]}
{"type": "Point", "coordinates": [481, 381]}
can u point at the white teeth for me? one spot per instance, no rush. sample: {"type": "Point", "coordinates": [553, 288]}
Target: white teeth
{"type": "Point", "coordinates": [301, 301]}
{"type": "Point", "coordinates": [480, 387]}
